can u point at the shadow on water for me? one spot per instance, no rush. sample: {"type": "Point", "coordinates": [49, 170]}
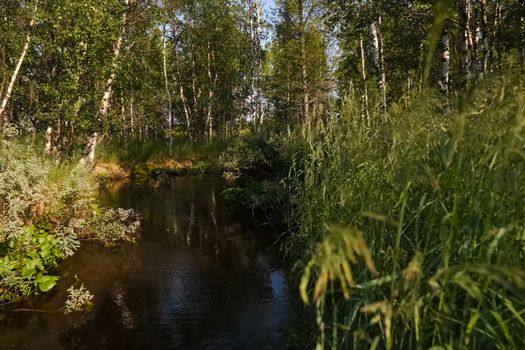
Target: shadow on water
{"type": "Point", "coordinates": [197, 279]}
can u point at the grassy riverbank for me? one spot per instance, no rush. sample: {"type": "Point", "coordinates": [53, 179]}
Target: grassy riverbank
{"type": "Point", "coordinates": [140, 161]}
{"type": "Point", "coordinates": [409, 233]}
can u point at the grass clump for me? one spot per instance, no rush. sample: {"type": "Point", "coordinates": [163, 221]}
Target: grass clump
{"type": "Point", "coordinates": [46, 211]}
{"type": "Point", "coordinates": [439, 200]}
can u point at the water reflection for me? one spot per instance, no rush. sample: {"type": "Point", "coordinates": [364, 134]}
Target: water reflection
{"type": "Point", "coordinates": [198, 279]}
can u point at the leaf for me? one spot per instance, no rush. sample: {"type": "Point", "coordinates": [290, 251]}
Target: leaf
{"type": "Point", "coordinates": [45, 283]}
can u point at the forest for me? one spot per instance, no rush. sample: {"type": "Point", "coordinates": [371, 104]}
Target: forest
{"type": "Point", "coordinates": [266, 174]}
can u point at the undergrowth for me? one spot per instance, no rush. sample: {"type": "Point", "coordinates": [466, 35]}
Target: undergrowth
{"type": "Point", "coordinates": [46, 211]}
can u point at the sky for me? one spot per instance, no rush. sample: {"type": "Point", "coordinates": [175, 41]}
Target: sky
{"type": "Point", "coordinates": [268, 5]}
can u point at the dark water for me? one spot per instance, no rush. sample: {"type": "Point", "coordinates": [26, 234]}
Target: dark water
{"type": "Point", "coordinates": [197, 279]}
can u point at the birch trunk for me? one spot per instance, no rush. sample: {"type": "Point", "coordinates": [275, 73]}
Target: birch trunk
{"type": "Point", "coordinates": [484, 36]}
{"type": "Point", "coordinates": [90, 150]}
{"type": "Point", "coordinates": [184, 100]}
{"type": "Point", "coordinates": [465, 34]}
{"type": "Point", "coordinates": [377, 51]}
{"type": "Point", "coordinates": [494, 35]}
{"type": "Point", "coordinates": [256, 66]}
{"type": "Point", "coordinates": [14, 76]}
{"type": "Point", "coordinates": [167, 87]}
{"type": "Point", "coordinates": [445, 64]}
{"type": "Point", "coordinates": [48, 139]}
{"type": "Point", "coordinates": [365, 86]}
{"type": "Point", "coordinates": [212, 80]}
{"type": "Point", "coordinates": [106, 97]}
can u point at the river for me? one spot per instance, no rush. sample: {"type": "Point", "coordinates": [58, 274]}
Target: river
{"type": "Point", "coordinates": [198, 278]}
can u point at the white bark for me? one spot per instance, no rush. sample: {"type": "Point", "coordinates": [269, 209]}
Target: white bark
{"type": "Point", "coordinates": [212, 80]}
{"type": "Point", "coordinates": [464, 20]}
{"type": "Point", "coordinates": [256, 62]}
{"type": "Point", "coordinates": [48, 140]}
{"type": "Point", "coordinates": [106, 97]}
{"type": "Point", "coordinates": [445, 64]}
{"type": "Point", "coordinates": [14, 76]}
{"type": "Point", "coordinates": [167, 86]}
{"type": "Point", "coordinates": [305, 105]}
{"type": "Point", "coordinates": [92, 145]}
{"type": "Point", "coordinates": [484, 36]}
{"type": "Point", "coordinates": [377, 50]}
{"type": "Point", "coordinates": [495, 30]}
{"type": "Point", "coordinates": [89, 152]}
{"type": "Point", "coordinates": [365, 86]}
{"type": "Point", "coordinates": [184, 100]}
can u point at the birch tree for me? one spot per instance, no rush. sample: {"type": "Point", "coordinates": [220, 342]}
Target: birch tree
{"type": "Point", "coordinates": [19, 62]}
{"type": "Point", "coordinates": [444, 82]}
{"type": "Point", "coordinates": [103, 109]}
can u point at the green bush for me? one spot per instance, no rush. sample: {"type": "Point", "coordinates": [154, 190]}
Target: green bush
{"type": "Point", "coordinates": [46, 210]}
{"type": "Point", "coordinates": [252, 157]}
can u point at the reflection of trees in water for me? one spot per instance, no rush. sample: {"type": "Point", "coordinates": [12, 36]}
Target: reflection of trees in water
{"type": "Point", "coordinates": [196, 274]}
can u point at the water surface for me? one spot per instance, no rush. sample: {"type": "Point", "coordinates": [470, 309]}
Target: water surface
{"type": "Point", "coordinates": [198, 278]}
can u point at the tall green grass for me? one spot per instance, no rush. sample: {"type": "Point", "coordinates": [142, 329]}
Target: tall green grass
{"type": "Point", "coordinates": [411, 232]}
{"type": "Point", "coordinates": [135, 151]}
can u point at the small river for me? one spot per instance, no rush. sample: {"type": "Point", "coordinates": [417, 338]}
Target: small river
{"type": "Point", "coordinates": [198, 278]}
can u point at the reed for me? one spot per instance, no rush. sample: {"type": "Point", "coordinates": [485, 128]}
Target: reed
{"type": "Point", "coordinates": [439, 200]}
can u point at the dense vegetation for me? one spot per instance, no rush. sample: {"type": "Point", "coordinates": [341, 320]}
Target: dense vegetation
{"type": "Point", "coordinates": [387, 135]}
{"type": "Point", "coordinates": [46, 211]}
{"type": "Point", "coordinates": [434, 207]}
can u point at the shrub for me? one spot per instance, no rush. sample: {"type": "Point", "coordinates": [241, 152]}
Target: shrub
{"type": "Point", "coordinates": [46, 209]}
{"type": "Point", "coordinates": [252, 157]}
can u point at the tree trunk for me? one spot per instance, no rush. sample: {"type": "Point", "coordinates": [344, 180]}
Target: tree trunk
{"type": "Point", "coordinates": [484, 36]}
{"type": "Point", "coordinates": [465, 35]}
{"type": "Point", "coordinates": [48, 141]}
{"type": "Point", "coordinates": [365, 86]}
{"type": "Point", "coordinates": [377, 50]}
{"type": "Point", "coordinates": [19, 63]}
{"type": "Point", "coordinates": [212, 80]}
{"type": "Point", "coordinates": [167, 87]}
{"type": "Point", "coordinates": [106, 97]}
{"type": "Point", "coordinates": [256, 67]}
{"type": "Point", "coordinates": [445, 64]}
{"type": "Point", "coordinates": [494, 42]}
{"type": "Point", "coordinates": [184, 100]}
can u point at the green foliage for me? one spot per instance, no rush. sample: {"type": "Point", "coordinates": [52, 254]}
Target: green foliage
{"type": "Point", "coordinates": [26, 263]}
{"type": "Point", "coordinates": [252, 157]}
{"type": "Point", "coordinates": [439, 202]}
{"type": "Point", "coordinates": [79, 299]}
{"type": "Point", "coordinates": [264, 199]}
{"type": "Point", "coordinates": [45, 211]}
{"type": "Point", "coordinates": [112, 226]}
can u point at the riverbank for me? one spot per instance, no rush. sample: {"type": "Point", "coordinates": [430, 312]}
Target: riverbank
{"type": "Point", "coordinates": [141, 161]}
{"type": "Point", "coordinates": [409, 230]}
